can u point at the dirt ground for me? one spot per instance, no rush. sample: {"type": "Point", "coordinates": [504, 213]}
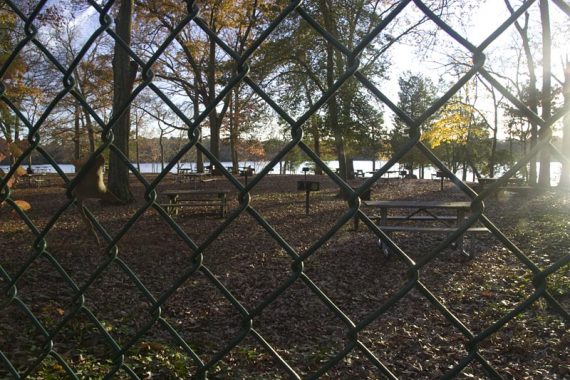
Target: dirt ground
{"type": "Point", "coordinates": [270, 292]}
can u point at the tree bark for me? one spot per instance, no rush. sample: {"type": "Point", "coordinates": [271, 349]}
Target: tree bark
{"type": "Point", "coordinates": [90, 131]}
{"type": "Point", "coordinates": [137, 147]}
{"type": "Point", "coordinates": [161, 147]}
{"type": "Point", "coordinates": [77, 133]}
{"type": "Point", "coordinates": [124, 72]}
{"type": "Point", "coordinates": [213, 117]}
{"type": "Point", "coordinates": [234, 131]}
{"type": "Point", "coordinates": [316, 143]}
{"type": "Point", "coordinates": [565, 171]}
{"type": "Point", "coordinates": [88, 122]}
{"type": "Point", "coordinates": [199, 155]}
{"type": "Point", "coordinates": [546, 130]}
{"type": "Point", "coordinates": [495, 132]}
{"type": "Point", "coordinates": [333, 106]}
{"type": "Point", "coordinates": [533, 91]}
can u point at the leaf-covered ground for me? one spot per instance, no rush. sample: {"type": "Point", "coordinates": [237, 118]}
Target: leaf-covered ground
{"type": "Point", "coordinates": [247, 305]}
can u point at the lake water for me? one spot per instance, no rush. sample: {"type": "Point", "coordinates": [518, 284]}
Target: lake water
{"type": "Point", "coordinates": [364, 165]}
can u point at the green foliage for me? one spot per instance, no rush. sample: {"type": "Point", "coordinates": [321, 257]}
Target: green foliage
{"type": "Point", "coordinates": [416, 94]}
{"type": "Point", "coordinates": [158, 360]}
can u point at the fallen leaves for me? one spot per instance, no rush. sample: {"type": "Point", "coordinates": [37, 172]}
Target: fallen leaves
{"type": "Point", "coordinates": [412, 337]}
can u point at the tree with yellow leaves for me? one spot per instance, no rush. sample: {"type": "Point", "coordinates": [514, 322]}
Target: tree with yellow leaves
{"type": "Point", "coordinates": [458, 135]}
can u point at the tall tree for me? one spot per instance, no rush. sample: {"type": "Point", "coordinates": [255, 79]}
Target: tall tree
{"type": "Point", "coordinates": [546, 130]}
{"type": "Point", "coordinates": [196, 64]}
{"type": "Point", "coordinates": [416, 94]}
{"type": "Point", "coordinates": [245, 108]}
{"type": "Point", "coordinates": [91, 75]}
{"type": "Point", "coordinates": [14, 75]}
{"type": "Point", "coordinates": [124, 72]}
{"type": "Point", "coordinates": [497, 101]}
{"type": "Point", "coordinates": [533, 99]}
{"type": "Point", "coordinates": [565, 171]}
{"type": "Point", "coordinates": [20, 76]}
{"type": "Point", "coordinates": [453, 131]}
{"type": "Point", "coordinates": [349, 21]}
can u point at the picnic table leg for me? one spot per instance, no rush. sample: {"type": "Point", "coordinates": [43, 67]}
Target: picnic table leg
{"type": "Point", "coordinates": [224, 204]}
{"type": "Point", "coordinates": [383, 222]}
{"type": "Point", "coordinates": [168, 209]}
{"type": "Point", "coordinates": [459, 244]}
{"type": "Point", "coordinates": [172, 201]}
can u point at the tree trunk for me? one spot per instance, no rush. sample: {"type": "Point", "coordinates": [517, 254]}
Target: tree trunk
{"type": "Point", "coordinates": [137, 150]}
{"type": "Point", "coordinates": [213, 117]}
{"type": "Point", "coordinates": [316, 143]}
{"type": "Point", "coordinates": [533, 92]}
{"type": "Point", "coordinates": [494, 138]}
{"type": "Point", "coordinates": [333, 107]}
{"type": "Point", "coordinates": [77, 133]}
{"type": "Point", "coordinates": [339, 145]}
{"type": "Point", "coordinates": [17, 130]}
{"type": "Point", "coordinates": [124, 72]}
{"type": "Point", "coordinates": [199, 155]}
{"type": "Point", "coordinates": [565, 171]}
{"type": "Point", "coordinates": [350, 168]}
{"type": "Point", "coordinates": [88, 122]}
{"type": "Point", "coordinates": [234, 128]}
{"type": "Point", "coordinates": [161, 147]}
{"type": "Point", "coordinates": [546, 130]}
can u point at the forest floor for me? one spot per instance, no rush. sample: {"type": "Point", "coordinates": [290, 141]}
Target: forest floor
{"type": "Point", "coordinates": [231, 294]}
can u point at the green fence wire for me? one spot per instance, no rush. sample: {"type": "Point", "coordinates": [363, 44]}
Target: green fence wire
{"type": "Point", "coordinates": [116, 357]}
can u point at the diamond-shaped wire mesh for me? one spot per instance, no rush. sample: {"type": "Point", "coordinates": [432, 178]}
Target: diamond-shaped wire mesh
{"type": "Point", "coordinates": [203, 309]}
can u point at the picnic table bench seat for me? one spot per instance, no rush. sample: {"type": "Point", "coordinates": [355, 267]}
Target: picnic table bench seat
{"type": "Point", "coordinates": [439, 224]}
{"type": "Point", "coordinates": [421, 218]}
{"type": "Point", "coordinates": [195, 198]}
{"type": "Point", "coordinates": [36, 180]}
{"type": "Point", "coordinates": [519, 189]}
{"type": "Point", "coordinates": [430, 229]}
{"type": "Point", "coordinates": [513, 185]}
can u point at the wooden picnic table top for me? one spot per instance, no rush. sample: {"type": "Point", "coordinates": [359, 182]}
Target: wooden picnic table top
{"type": "Point", "coordinates": [386, 172]}
{"type": "Point", "coordinates": [193, 191]}
{"type": "Point", "coordinates": [419, 204]}
{"type": "Point", "coordinates": [192, 174]}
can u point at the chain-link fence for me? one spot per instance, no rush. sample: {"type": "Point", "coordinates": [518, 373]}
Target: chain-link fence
{"type": "Point", "coordinates": [287, 306]}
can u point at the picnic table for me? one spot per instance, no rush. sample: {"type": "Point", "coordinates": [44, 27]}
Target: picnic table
{"type": "Point", "coordinates": [387, 173]}
{"type": "Point", "coordinates": [246, 171]}
{"type": "Point", "coordinates": [188, 175]}
{"type": "Point", "coordinates": [513, 185]}
{"type": "Point", "coordinates": [36, 179]}
{"type": "Point", "coordinates": [423, 211]}
{"type": "Point", "coordinates": [195, 198]}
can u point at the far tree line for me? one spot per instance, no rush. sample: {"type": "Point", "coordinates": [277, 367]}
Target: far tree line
{"type": "Point", "coordinates": [161, 150]}
{"type": "Point", "coordinates": [196, 94]}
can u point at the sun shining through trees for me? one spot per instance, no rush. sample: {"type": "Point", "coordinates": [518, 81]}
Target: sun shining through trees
{"type": "Point", "coordinates": [194, 68]}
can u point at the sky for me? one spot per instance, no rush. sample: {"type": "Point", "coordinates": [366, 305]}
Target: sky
{"type": "Point", "coordinates": [485, 19]}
